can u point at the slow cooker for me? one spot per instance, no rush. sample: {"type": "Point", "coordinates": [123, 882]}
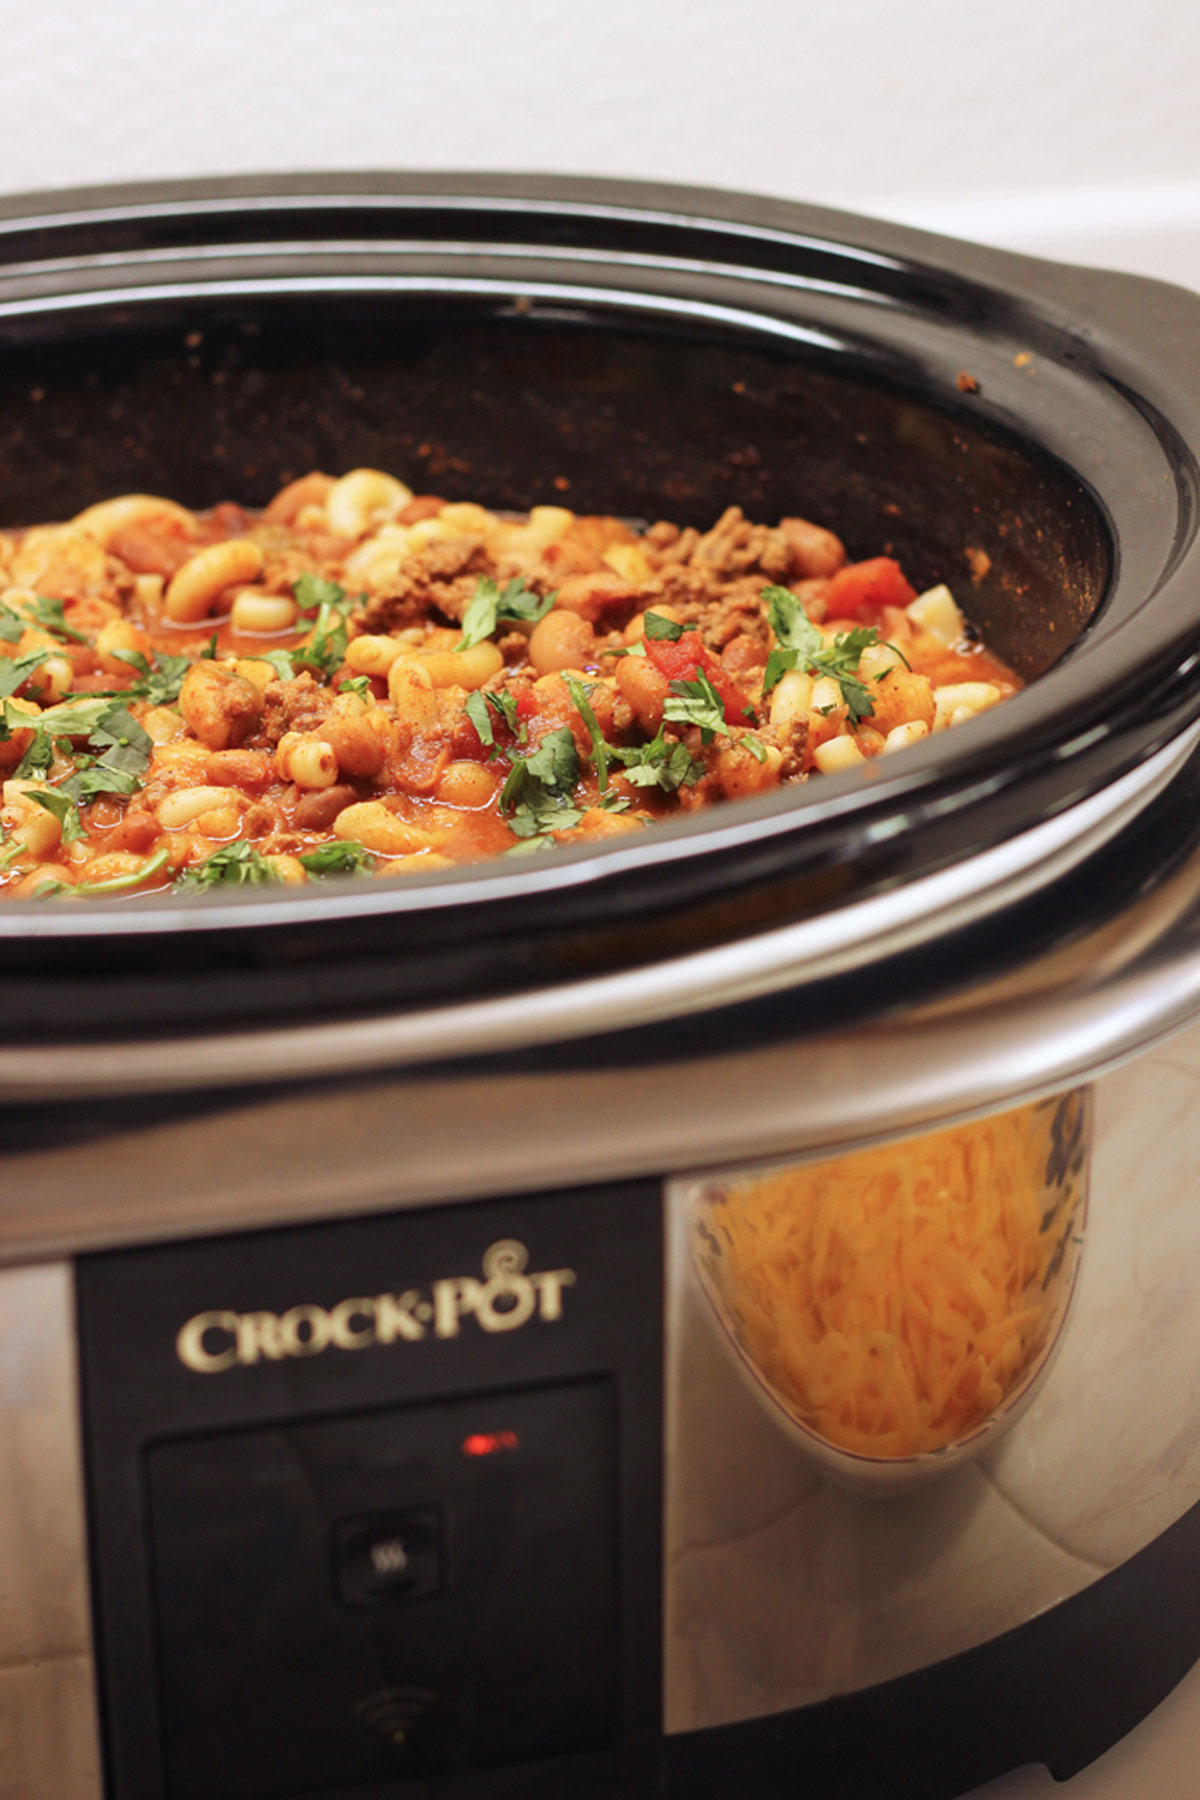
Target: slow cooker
{"type": "Point", "coordinates": [370, 1424]}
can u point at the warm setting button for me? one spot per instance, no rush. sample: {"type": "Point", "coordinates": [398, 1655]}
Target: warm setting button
{"type": "Point", "coordinates": [388, 1556]}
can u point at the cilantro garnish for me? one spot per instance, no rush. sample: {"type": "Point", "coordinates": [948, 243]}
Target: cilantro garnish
{"type": "Point", "coordinates": [659, 764]}
{"type": "Point", "coordinates": [658, 627]}
{"type": "Point", "coordinates": [356, 684]}
{"type": "Point", "coordinates": [479, 708]}
{"type": "Point", "coordinates": [69, 719]}
{"type": "Point", "coordinates": [488, 606]}
{"type": "Point", "coordinates": [160, 682]}
{"type": "Point", "coordinates": [115, 884]}
{"type": "Point", "coordinates": [312, 592]}
{"type": "Point", "coordinates": [529, 844]}
{"type": "Point", "coordinates": [43, 612]}
{"type": "Point", "coordinates": [325, 651]}
{"type": "Point", "coordinates": [121, 749]}
{"type": "Point", "coordinates": [583, 707]}
{"type": "Point", "coordinates": [16, 670]}
{"type": "Point", "coordinates": [281, 662]}
{"type": "Point", "coordinates": [338, 858]}
{"type": "Point", "coordinates": [696, 703]}
{"type": "Point", "coordinates": [239, 864]}
{"type": "Point", "coordinates": [537, 793]}
{"type": "Point", "coordinates": [63, 809]}
{"type": "Point", "coordinates": [799, 645]}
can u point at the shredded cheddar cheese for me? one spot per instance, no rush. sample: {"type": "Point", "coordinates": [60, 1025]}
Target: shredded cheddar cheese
{"type": "Point", "coordinates": [894, 1296]}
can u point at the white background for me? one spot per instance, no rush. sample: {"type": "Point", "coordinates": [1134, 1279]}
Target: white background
{"type": "Point", "coordinates": [1061, 126]}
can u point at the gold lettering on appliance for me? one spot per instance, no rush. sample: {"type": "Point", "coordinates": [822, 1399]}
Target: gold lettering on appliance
{"type": "Point", "coordinates": [506, 1298]}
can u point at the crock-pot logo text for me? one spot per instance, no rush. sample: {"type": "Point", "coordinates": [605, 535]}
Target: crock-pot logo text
{"type": "Point", "coordinates": [507, 1298]}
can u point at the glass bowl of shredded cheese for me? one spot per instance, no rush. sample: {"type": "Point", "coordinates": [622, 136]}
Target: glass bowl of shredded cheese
{"type": "Point", "coordinates": [898, 1308]}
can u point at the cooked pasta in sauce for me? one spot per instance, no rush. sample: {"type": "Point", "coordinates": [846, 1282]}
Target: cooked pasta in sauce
{"type": "Point", "coordinates": [358, 679]}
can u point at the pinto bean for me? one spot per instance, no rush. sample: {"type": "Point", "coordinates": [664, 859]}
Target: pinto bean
{"type": "Point", "coordinates": [136, 832]}
{"type": "Point", "coordinates": [562, 640]}
{"type": "Point", "coordinates": [645, 689]}
{"type": "Point", "coordinates": [316, 810]}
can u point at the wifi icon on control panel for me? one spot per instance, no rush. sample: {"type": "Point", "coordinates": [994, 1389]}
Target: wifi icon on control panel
{"type": "Point", "coordinates": [395, 1710]}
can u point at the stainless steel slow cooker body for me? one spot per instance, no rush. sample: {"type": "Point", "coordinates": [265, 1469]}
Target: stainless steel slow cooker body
{"type": "Point", "coordinates": [453, 1067]}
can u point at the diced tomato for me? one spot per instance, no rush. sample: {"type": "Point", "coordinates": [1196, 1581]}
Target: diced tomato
{"type": "Point", "coordinates": [682, 660]}
{"type": "Point", "coordinates": [526, 703]}
{"type": "Point", "coordinates": [466, 742]}
{"type": "Point", "coordinates": [677, 659]}
{"type": "Point", "coordinates": [879, 582]}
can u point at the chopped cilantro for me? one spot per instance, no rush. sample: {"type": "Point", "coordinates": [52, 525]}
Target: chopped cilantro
{"type": "Point", "coordinates": [659, 764]}
{"type": "Point", "coordinates": [337, 858]}
{"type": "Point", "coordinates": [16, 670]}
{"type": "Point", "coordinates": [41, 611]}
{"type": "Point", "coordinates": [696, 703]}
{"type": "Point", "coordinates": [799, 644]}
{"type": "Point", "coordinates": [70, 718]}
{"type": "Point", "coordinates": [238, 864]}
{"type": "Point", "coordinates": [311, 593]}
{"type": "Point", "coordinates": [537, 793]}
{"type": "Point", "coordinates": [530, 844]}
{"type": "Point", "coordinates": [281, 662]}
{"type": "Point", "coordinates": [488, 606]}
{"type": "Point", "coordinates": [160, 682]}
{"type": "Point", "coordinates": [356, 684]}
{"type": "Point", "coordinates": [123, 743]}
{"type": "Point", "coordinates": [479, 708]}
{"type": "Point", "coordinates": [85, 784]}
{"type": "Point", "coordinates": [63, 809]}
{"type": "Point", "coordinates": [658, 627]}
{"type": "Point", "coordinates": [583, 707]}
{"type": "Point", "coordinates": [209, 652]}
{"type": "Point", "coordinates": [325, 651]}
{"type": "Point", "coordinates": [116, 884]}
{"type": "Point", "coordinates": [755, 746]}
{"type": "Point", "coordinates": [38, 757]}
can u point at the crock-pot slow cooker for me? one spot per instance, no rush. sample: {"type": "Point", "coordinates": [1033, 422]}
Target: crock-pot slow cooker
{"type": "Point", "coordinates": [371, 1425]}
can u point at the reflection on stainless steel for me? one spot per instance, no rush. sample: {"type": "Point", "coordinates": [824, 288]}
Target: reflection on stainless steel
{"type": "Point", "coordinates": [897, 1309]}
{"type": "Point", "coordinates": [783, 1589]}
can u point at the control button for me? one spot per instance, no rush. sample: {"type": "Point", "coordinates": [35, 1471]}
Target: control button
{"type": "Point", "coordinates": [388, 1556]}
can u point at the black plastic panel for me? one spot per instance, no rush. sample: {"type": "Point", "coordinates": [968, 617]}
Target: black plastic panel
{"type": "Point", "coordinates": [377, 1505]}
{"type": "Point", "coordinates": [416, 1591]}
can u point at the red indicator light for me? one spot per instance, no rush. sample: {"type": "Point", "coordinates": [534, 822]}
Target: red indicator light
{"type": "Point", "coordinates": [486, 1443]}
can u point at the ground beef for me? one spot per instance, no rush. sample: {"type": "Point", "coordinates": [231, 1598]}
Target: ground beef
{"type": "Point", "coordinates": [299, 705]}
{"type": "Point", "coordinates": [440, 580]}
{"type": "Point", "coordinates": [735, 547]}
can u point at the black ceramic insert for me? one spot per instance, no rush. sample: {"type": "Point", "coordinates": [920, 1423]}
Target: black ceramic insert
{"type": "Point", "coordinates": [652, 352]}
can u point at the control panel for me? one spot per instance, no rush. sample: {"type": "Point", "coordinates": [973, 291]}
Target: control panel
{"type": "Point", "coordinates": [375, 1506]}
